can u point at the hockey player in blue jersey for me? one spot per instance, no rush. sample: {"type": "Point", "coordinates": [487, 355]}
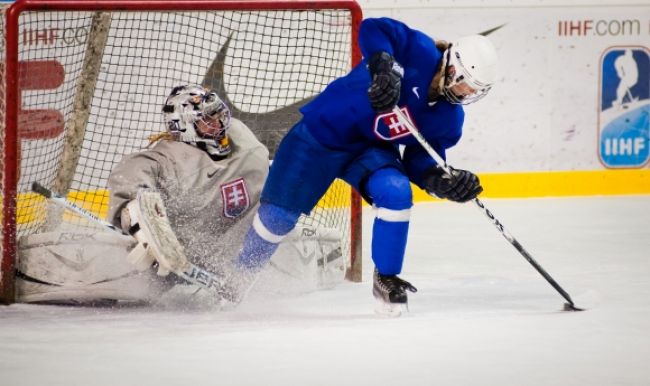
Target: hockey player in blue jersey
{"type": "Point", "coordinates": [349, 132]}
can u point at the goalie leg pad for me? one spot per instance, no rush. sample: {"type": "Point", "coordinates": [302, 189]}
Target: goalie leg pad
{"type": "Point", "coordinates": [150, 225]}
{"type": "Point", "coordinates": [81, 267]}
{"type": "Point", "coordinates": [308, 259]}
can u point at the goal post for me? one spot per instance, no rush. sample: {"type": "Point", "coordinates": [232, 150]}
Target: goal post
{"type": "Point", "coordinates": [81, 84]}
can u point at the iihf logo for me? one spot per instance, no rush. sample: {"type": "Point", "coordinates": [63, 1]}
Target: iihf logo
{"type": "Point", "coordinates": [235, 198]}
{"type": "Point", "coordinates": [389, 127]}
{"type": "Point", "coordinates": [624, 107]}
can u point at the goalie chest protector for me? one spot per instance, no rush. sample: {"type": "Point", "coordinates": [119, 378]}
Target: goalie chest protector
{"type": "Point", "coordinates": [210, 203]}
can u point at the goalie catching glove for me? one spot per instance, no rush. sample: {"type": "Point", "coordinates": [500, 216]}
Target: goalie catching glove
{"type": "Point", "coordinates": [145, 218]}
{"type": "Point", "coordinates": [386, 81]}
{"type": "Point", "coordinates": [459, 186]}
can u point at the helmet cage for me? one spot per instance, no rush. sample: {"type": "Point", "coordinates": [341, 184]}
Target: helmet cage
{"type": "Point", "coordinates": [456, 73]}
{"type": "Point", "coordinates": [212, 110]}
{"type": "Point", "coordinates": [186, 106]}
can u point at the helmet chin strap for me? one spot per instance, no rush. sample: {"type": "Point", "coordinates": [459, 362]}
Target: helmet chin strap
{"type": "Point", "coordinates": [211, 150]}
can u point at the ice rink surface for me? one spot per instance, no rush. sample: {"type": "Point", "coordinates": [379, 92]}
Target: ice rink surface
{"type": "Point", "coordinates": [482, 315]}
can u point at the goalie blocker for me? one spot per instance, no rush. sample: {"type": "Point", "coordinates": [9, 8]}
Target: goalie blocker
{"type": "Point", "coordinates": [145, 218]}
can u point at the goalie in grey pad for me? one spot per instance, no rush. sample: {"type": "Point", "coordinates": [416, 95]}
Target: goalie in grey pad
{"type": "Point", "coordinates": [190, 196]}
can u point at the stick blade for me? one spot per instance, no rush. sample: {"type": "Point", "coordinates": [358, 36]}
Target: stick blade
{"type": "Point", "coordinates": [42, 190]}
{"type": "Point", "coordinates": [571, 307]}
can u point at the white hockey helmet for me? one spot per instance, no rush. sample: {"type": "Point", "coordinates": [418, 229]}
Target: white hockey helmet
{"type": "Point", "coordinates": [470, 69]}
{"type": "Point", "coordinates": [198, 116]}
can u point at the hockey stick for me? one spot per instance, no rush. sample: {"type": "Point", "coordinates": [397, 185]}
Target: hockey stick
{"type": "Point", "coordinates": [441, 162]}
{"type": "Point", "coordinates": [192, 274]}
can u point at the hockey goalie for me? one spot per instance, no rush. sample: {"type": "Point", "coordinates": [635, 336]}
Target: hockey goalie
{"type": "Point", "coordinates": [189, 197]}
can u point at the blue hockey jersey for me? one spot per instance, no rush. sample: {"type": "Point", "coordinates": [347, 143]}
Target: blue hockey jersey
{"type": "Point", "coordinates": [342, 118]}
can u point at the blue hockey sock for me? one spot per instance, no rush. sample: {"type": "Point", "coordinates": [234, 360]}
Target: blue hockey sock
{"type": "Point", "coordinates": [257, 251]}
{"type": "Point", "coordinates": [388, 245]}
{"type": "Point", "coordinates": [271, 224]}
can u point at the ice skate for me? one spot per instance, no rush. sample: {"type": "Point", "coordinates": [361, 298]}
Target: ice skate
{"type": "Point", "coordinates": [390, 293]}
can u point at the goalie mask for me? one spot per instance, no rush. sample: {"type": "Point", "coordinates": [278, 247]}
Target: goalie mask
{"type": "Point", "coordinates": [198, 116]}
{"type": "Point", "coordinates": [470, 69]}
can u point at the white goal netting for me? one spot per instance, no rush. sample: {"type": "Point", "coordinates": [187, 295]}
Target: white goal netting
{"type": "Point", "coordinates": [91, 83]}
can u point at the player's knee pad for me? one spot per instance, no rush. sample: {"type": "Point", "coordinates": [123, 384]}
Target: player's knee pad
{"type": "Point", "coordinates": [274, 221]}
{"type": "Point", "coordinates": [390, 189]}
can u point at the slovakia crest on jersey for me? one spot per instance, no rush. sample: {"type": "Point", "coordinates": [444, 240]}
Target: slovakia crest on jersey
{"type": "Point", "coordinates": [388, 127]}
{"type": "Point", "coordinates": [235, 198]}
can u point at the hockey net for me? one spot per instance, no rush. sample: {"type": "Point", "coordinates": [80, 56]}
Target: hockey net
{"type": "Point", "coordinates": [89, 76]}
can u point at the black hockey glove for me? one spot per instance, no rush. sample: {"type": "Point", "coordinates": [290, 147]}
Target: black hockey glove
{"type": "Point", "coordinates": [461, 186]}
{"type": "Point", "coordinates": [386, 75]}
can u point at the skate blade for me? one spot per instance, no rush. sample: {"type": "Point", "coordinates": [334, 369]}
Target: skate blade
{"type": "Point", "coordinates": [392, 310]}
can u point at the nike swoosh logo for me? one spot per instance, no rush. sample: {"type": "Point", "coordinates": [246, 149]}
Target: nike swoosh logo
{"type": "Point", "coordinates": [415, 91]}
{"type": "Point", "coordinates": [75, 265]}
